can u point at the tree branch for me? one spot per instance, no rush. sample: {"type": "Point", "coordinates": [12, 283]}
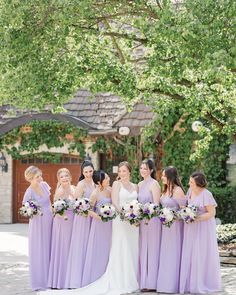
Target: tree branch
{"type": "Point", "coordinates": [158, 91]}
{"type": "Point", "coordinates": [119, 51]}
{"type": "Point", "coordinates": [215, 120]}
{"type": "Point", "coordinates": [177, 127]}
{"type": "Point", "coordinates": [138, 59]}
{"type": "Point", "coordinates": [159, 4]}
{"type": "Point", "coordinates": [125, 36]}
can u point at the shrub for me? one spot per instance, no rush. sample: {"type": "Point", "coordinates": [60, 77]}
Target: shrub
{"type": "Point", "coordinates": [226, 201]}
{"type": "Point", "coordinates": [226, 233]}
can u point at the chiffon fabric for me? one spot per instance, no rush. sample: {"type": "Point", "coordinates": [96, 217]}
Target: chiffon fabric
{"type": "Point", "coordinates": [200, 265]}
{"type": "Point", "coordinates": [40, 228]}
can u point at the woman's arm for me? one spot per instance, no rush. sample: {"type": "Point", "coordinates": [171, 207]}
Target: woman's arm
{"type": "Point", "coordinates": [115, 195]}
{"type": "Point", "coordinates": [211, 212]}
{"type": "Point", "coordinates": [156, 192]}
{"type": "Point", "coordinates": [79, 190]}
{"type": "Point", "coordinates": [58, 194]}
{"type": "Point", "coordinates": [27, 196]}
{"type": "Point", "coordinates": [93, 201]}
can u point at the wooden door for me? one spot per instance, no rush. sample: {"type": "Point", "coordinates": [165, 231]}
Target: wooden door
{"type": "Point", "coordinates": [49, 171]}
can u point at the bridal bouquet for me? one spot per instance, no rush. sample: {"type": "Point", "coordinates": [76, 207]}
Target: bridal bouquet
{"type": "Point", "coordinates": [30, 208]}
{"type": "Point", "coordinates": [132, 212]}
{"type": "Point", "coordinates": [81, 206]}
{"type": "Point", "coordinates": [167, 216]}
{"type": "Point", "coordinates": [150, 210]}
{"type": "Point", "coordinates": [107, 212]}
{"type": "Point", "coordinates": [188, 214]}
{"type": "Point", "coordinates": [60, 206]}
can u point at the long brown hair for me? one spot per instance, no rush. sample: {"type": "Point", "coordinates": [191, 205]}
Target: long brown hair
{"type": "Point", "coordinates": [199, 178]}
{"type": "Point", "coordinates": [151, 166]}
{"type": "Point", "coordinates": [173, 179]}
{"type": "Point", "coordinates": [86, 163]}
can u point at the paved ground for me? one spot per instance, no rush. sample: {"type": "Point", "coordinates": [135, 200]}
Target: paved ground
{"type": "Point", "coordinates": [14, 263]}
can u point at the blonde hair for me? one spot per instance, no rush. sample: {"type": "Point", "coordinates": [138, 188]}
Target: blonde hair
{"type": "Point", "coordinates": [30, 172]}
{"type": "Point", "coordinates": [61, 170]}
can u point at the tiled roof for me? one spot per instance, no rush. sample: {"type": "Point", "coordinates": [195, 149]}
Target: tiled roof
{"type": "Point", "coordinates": [102, 111]}
{"type": "Point", "coordinates": [138, 117]}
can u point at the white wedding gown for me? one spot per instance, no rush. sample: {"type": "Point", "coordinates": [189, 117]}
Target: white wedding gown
{"type": "Point", "coordinates": [121, 273]}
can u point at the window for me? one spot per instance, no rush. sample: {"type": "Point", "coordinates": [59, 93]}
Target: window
{"type": "Point", "coordinates": [65, 159]}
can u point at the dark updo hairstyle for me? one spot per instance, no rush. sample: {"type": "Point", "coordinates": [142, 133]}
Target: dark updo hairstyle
{"type": "Point", "coordinates": [199, 178]}
{"type": "Point", "coordinates": [99, 176]}
{"type": "Point", "coordinates": [151, 166]}
{"type": "Point", "coordinates": [86, 163]}
{"type": "Point", "coordinates": [173, 179]}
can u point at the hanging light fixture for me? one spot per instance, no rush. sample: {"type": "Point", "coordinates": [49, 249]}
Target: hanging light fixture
{"type": "Point", "coordinates": [3, 163]}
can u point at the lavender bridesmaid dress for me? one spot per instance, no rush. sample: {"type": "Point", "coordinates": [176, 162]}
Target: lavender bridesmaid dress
{"type": "Point", "coordinates": [99, 245]}
{"type": "Point", "coordinates": [171, 249]}
{"type": "Point", "coordinates": [200, 266]}
{"type": "Point", "coordinates": [149, 242]}
{"type": "Point", "coordinates": [61, 237]}
{"type": "Point", "coordinates": [78, 248]}
{"type": "Point", "coordinates": [40, 228]}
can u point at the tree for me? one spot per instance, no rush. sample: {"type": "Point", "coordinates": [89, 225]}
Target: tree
{"type": "Point", "coordinates": [179, 57]}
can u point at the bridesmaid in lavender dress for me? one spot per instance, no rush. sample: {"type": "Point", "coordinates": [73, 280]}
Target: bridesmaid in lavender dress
{"type": "Point", "coordinates": [80, 231]}
{"type": "Point", "coordinates": [99, 242]}
{"type": "Point", "coordinates": [39, 229]}
{"type": "Point", "coordinates": [149, 235]}
{"type": "Point", "coordinates": [200, 266]}
{"type": "Point", "coordinates": [61, 232]}
{"type": "Point", "coordinates": [171, 241]}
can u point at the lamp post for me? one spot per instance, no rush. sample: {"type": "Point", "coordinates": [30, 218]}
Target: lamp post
{"type": "Point", "coordinates": [196, 125]}
{"type": "Point", "coordinates": [3, 163]}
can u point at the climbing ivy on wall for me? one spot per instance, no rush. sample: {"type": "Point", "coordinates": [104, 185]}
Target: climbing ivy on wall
{"type": "Point", "coordinates": [117, 150]}
{"type": "Point", "coordinates": [175, 143]}
{"type": "Point", "coordinates": [178, 149]}
{"type": "Point", "coordinates": [21, 140]}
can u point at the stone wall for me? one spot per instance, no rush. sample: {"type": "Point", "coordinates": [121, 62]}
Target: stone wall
{"type": "Point", "coordinates": [228, 256]}
{"type": "Point", "coordinates": [6, 192]}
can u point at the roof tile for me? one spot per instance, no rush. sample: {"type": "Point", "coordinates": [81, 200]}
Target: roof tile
{"type": "Point", "coordinates": [105, 110]}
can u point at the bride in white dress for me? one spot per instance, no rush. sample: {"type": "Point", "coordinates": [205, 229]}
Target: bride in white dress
{"type": "Point", "coordinates": [122, 269]}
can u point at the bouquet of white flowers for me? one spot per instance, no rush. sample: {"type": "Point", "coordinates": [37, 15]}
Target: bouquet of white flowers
{"type": "Point", "coordinates": [188, 214]}
{"type": "Point", "coordinates": [132, 212]}
{"type": "Point", "coordinates": [81, 206]}
{"type": "Point", "coordinates": [167, 216]}
{"type": "Point", "coordinates": [150, 210]}
{"type": "Point", "coordinates": [59, 207]}
{"type": "Point", "coordinates": [30, 208]}
{"type": "Point", "coordinates": [107, 212]}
